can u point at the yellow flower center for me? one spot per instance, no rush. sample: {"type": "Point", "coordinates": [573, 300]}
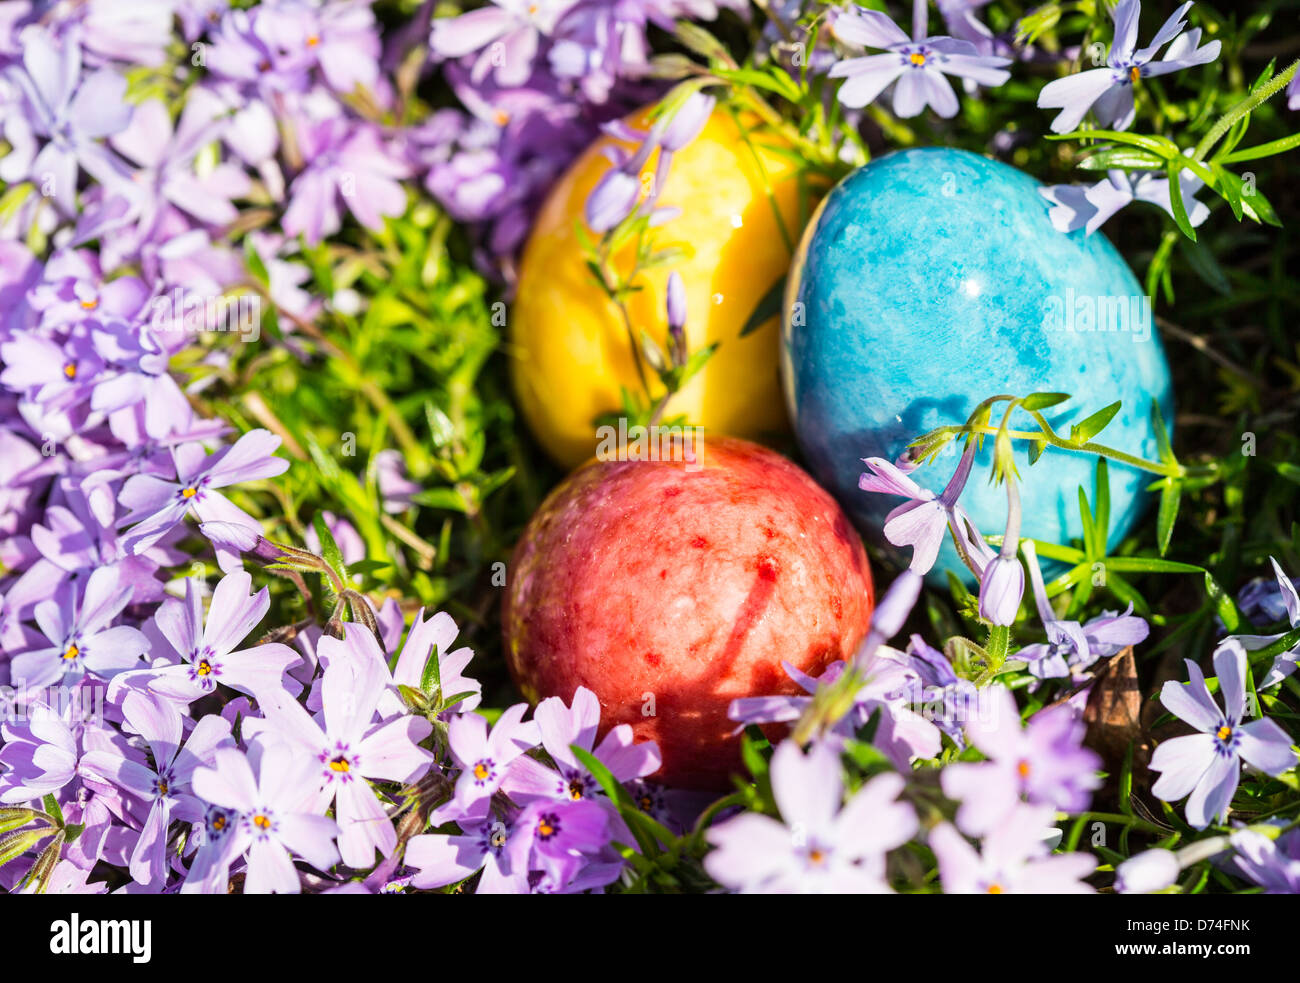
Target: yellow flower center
{"type": "Point", "coordinates": [501, 117]}
{"type": "Point", "coordinates": [313, 41]}
{"type": "Point", "coordinates": [1224, 732]}
{"type": "Point", "coordinates": [1022, 769]}
{"type": "Point", "coordinates": [189, 492]}
{"type": "Point", "coordinates": [1134, 74]}
{"type": "Point", "coordinates": [218, 823]}
{"type": "Point", "coordinates": [340, 764]}
{"type": "Point", "coordinates": [204, 667]}
{"type": "Point", "coordinates": [816, 856]}
{"type": "Point", "coordinates": [481, 771]}
{"type": "Point", "coordinates": [261, 821]}
{"type": "Point", "coordinates": [163, 788]}
{"type": "Point", "coordinates": [995, 888]}
{"type": "Point", "coordinates": [545, 829]}
{"type": "Point", "coordinates": [70, 370]}
{"type": "Point", "coordinates": [71, 653]}
{"type": "Point", "coordinates": [575, 790]}
{"type": "Point", "coordinates": [916, 58]}
{"type": "Point", "coordinates": [90, 305]}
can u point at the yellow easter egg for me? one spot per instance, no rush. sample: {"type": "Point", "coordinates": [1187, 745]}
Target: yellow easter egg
{"type": "Point", "coordinates": [570, 348]}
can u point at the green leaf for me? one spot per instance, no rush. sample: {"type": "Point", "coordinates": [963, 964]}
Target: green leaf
{"type": "Point", "coordinates": [1124, 158]}
{"type": "Point", "coordinates": [1262, 150]}
{"type": "Point", "coordinates": [329, 549]}
{"type": "Point", "coordinates": [1089, 527]}
{"type": "Point", "coordinates": [1163, 446]}
{"type": "Point", "coordinates": [1149, 564]}
{"type": "Point", "coordinates": [431, 678]}
{"type": "Point", "coordinates": [768, 307]}
{"type": "Point", "coordinates": [1085, 430]}
{"type": "Point", "coordinates": [1042, 401]}
{"type": "Point", "coordinates": [1102, 511]}
{"type": "Point", "coordinates": [15, 817]}
{"type": "Point", "coordinates": [1224, 605]}
{"type": "Point", "coordinates": [1176, 205]}
{"type": "Point", "coordinates": [441, 498]}
{"type": "Point", "coordinates": [1171, 496]}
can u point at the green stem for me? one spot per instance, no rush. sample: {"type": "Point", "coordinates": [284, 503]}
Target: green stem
{"type": "Point", "coordinates": [1255, 99]}
{"type": "Point", "coordinates": [1052, 439]}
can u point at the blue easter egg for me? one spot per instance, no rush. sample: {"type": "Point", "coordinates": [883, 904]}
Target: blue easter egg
{"type": "Point", "coordinates": [932, 279]}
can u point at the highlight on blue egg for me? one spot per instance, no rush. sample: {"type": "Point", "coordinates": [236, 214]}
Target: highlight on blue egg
{"type": "Point", "coordinates": [931, 279]}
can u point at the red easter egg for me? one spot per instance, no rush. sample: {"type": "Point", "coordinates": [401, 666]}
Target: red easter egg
{"type": "Point", "coordinates": [670, 588]}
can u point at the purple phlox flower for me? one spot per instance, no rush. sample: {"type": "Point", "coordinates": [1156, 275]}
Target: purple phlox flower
{"type": "Point", "coordinates": [1263, 600]}
{"type": "Point", "coordinates": [80, 535]}
{"type": "Point", "coordinates": [276, 818]}
{"type": "Point", "coordinates": [562, 726]}
{"type": "Point", "coordinates": [1044, 763]}
{"type": "Point", "coordinates": [1148, 872]}
{"type": "Point", "coordinates": [628, 188]}
{"type": "Point", "coordinates": [433, 638]}
{"type": "Point", "coordinates": [1273, 864]}
{"type": "Point", "coordinates": [484, 844]}
{"type": "Point", "coordinates": [677, 809]}
{"type": "Point", "coordinates": [1071, 648]}
{"type": "Point", "coordinates": [38, 754]}
{"type": "Point", "coordinates": [77, 624]}
{"type": "Point", "coordinates": [566, 846]}
{"type": "Point", "coordinates": [214, 842]}
{"type": "Point", "coordinates": [675, 308]}
{"type": "Point", "coordinates": [70, 114]}
{"type": "Point", "coordinates": [348, 161]}
{"type": "Point", "coordinates": [890, 686]}
{"type": "Point", "coordinates": [396, 489]}
{"type": "Point", "coordinates": [598, 43]}
{"type": "Point", "coordinates": [947, 698]}
{"type": "Point", "coordinates": [959, 16]}
{"type": "Point", "coordinates": [1207, 766]}
{"type": "Point", "coordinates": [157, 504]}
{"type": "Point", "coordinates": [165, 783]}
{"type": "Point", "coordinates": [1078, 206]}
{"type": "Point", "coordinates": [206, 647]}
{"type": "Point", "coordinates": [820, 844]}
{"type": "Point", "coordinates": [136, 33]}
{"type": "Point", "coordinates": [1014, 859]}
{"type": "Point", "coordinates": [1108, 91]}
{"type": "Point", "coordinates": [350, 748]}
{"type": "Point", "coordinates": [1002, 578]}
{"type": "Point", "coordinates": [339, 39]}
{"type": "Point", "coordinates": [921, 521]}
{"type": "Point", "coordinates": [891, 612]}
{"type": "Point", "coordinates": [272, 59]}
{"type": "Point", "coordinates": [1288, 601]}
{"type": "Point", "coordinates": [484, 758]}
{"type": "Point", "coordinates": [164, 157]}
{"type": "Point", "coordinates": [59, 375]}
{"type": "Point", "coordinates": [506, 36]}
{"type": "Point", "coordinates": [917, 64]}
